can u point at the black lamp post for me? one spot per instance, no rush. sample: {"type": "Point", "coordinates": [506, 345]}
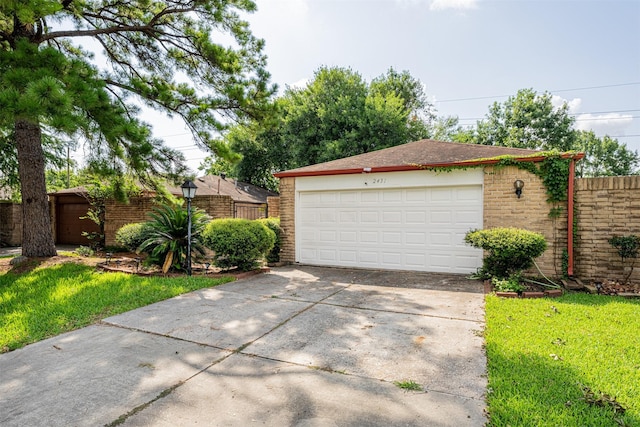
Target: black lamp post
{"type": "Point", "coordinates": [189, 192]}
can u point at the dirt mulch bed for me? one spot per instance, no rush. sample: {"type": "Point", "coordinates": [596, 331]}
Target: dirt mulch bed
{"type": "Point", "coordinates": [129, 263]}
{"type": "Point", "coordinates": [614, 287]}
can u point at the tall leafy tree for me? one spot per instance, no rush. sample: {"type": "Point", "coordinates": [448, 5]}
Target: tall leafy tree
{"type": "Point", "coordinates": [163, 54]}
{"type": "Point", "coordinates": [528, 120]}
{"type": "Point", "coordinates": [337, 114]}
{"type": "Point", "coordinates": [605, 156]}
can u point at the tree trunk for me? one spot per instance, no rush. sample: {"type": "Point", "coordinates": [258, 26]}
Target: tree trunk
{"type": "Point", "coordinates": [37, 236]}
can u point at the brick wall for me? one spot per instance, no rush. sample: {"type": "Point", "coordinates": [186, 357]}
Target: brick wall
{"type": "Point", "coordinates": [10, 224]}
{"type": "Point", "coordinates": [605, 207]}
{"type": "Point", "coordinates": [119, 214]}
{"type": "Point", "coordinates": [287, 219]}
{"type": "Point", "coordinates": [502, 208]}
{"type": "Point", "coordinates": [273, 206]}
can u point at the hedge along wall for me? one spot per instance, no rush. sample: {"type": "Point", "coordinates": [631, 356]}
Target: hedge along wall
{"type": "Point", "coordinates": [502, 208]}
{"type": "Point", "coordinates": [10, 224]}
{"type": "Point", "coordinates": [217, 206]}
{"type": "Point", "coordinates": [605, 207]}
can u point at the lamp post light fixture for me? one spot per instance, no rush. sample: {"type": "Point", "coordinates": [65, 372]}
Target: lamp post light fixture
{"type": "Point", "coordinates": [188, 192]}
{"type": "Point", "coordinates": [518, 185]}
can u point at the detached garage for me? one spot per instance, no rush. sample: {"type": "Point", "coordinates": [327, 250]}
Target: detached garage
{"type": "Point", "coordinates": [387, 210]}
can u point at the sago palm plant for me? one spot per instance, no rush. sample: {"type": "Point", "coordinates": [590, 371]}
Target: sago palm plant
{"type": "Point", "coordinates": [166, 236]}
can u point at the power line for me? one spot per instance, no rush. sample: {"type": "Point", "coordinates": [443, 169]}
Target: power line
{"type": "Point", "coordinates": [580, 114]}
{"type": "Point", "coordinates": [551, 91]}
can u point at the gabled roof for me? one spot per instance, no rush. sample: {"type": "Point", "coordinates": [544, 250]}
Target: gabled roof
{"type": "Point", "coordinates": [208, 185]}
{"type": "Point", "coordinates": [410, 156]}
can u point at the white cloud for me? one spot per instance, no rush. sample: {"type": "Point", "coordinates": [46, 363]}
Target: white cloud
{"type": "Point", "coordinates": [559, 101]}
{"type": "Point", "coordinates": [300, 84]}
{"type": "Point", "coordinates": [604, 124]}
{"type": "Point", "coordinates": [453, 4]}
{"type": "Point", "coordinates": [600, 124]}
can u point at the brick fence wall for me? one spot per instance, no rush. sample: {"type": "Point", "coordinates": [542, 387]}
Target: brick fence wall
{"type": "Point", "coordinates": [10, 224]}
{"type": "Point", "coordinates": [605, 207]}
{"type": "Point", "coordinates": [138, 209]}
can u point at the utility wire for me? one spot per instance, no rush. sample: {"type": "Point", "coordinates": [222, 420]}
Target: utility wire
{"type": "Point", "coordinates": [551, 91]}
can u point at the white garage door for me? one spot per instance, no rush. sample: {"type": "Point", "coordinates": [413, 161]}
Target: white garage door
{"type": "Point", "coordinates": [399, 229]}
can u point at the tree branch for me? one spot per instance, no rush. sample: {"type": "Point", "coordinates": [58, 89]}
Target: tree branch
{"type": "Point", "coordinates": [152, 27]}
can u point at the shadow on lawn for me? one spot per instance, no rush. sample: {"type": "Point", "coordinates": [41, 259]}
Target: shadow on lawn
{"type": "Point", "coordinates": [546, 392]}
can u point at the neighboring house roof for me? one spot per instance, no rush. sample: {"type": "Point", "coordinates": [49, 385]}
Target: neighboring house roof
{"type": "Point", "coordinates": [410, 156]}
{"type": "Point", "coordinates": [211, 185]}
{"type": "Point", "coordinates": [207, 186]}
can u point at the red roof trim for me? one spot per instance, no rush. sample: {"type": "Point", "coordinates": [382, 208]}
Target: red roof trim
{"type": "Point", "coordinates": [402, 168]}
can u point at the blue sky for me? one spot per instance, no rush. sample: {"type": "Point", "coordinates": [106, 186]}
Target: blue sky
{"type": "Point", "coordinates": [586, 52]}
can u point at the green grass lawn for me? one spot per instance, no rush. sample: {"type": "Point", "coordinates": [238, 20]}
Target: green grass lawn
{"type": "Point", "coordinates": [52, 300]}
{"type": "Point", "coordinates": [568, 361]}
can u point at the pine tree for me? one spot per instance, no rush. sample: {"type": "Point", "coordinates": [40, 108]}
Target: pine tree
{"type": "Point", "coordinates": [160, 53]}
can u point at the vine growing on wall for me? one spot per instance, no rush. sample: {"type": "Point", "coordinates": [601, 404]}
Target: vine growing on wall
{"type": "Point", "coordinates": [553, 170]}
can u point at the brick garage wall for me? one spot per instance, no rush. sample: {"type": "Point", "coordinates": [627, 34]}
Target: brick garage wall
{"type": "Point", "coordinates": [605, 207]}
{"type": "Point", "coordinates": [502, 208]}
{"type": "Point", "coordinates": [287, 219]}
{"type": "Point", "coordinates": [10, 224]}
{"type": "Point", "coordinates": [138, 208]}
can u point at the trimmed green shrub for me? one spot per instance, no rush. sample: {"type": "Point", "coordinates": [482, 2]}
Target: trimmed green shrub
{"type": "Point", "coordinates": [238, 242]}
{"type": "Point", "coordinates": [131, 236]}
{"type": "Point", "coordinates": [627, 247]}
{"type": "Point", "coordinates": [510, 250]}
{"type": "Point", "coordinates": [274, 225]}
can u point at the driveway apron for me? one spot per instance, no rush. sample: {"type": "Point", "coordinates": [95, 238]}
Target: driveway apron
{"type": "Point", "coordinates": [299, 346]}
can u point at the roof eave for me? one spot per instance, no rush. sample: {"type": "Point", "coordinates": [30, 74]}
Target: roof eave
{"type": "Point", "coordinates": [408, 167]}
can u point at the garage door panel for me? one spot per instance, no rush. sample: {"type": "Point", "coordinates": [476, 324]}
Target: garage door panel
{"type": "Point", "coordinates": [349, 256]}
{"type": "Point", "coordinates": [415, 260]}
{"type": "Point", "coordinates": [369, 197]}
{"type": "Point", "coordinates": [327, 255]}
{"type": "Point", "coordinates": [412, 238]}
{"type": "Point", "coordinates": [440, 239]}
{"type": "Point", "coordinates": [466, 216]}
{"type": "Point", "coordinates": [347, 237]}
{"type": "Point", "coordinates": [349, 217]}
{"type": "Point", "coordinates": [392, 217]}
{"type": "Point", "coordinates": [368, 257]}
{"type": "Point", "coordinates": [412, 229]}
{"type": "Point", "coordinates": [415, 217]}
{"type": "Point", "coordinates": [369, 237]}
{"type": "Point", "coordinates": [440, 195]}
{"type": "Point", "coordinates": [348, 197]}
{"type": "Point", "coordinates": [372, 217]}
{"type": "Point", "coordinates": [391, 196]}
{"type": "Point", "coordinates": [416, 195]}
{"type": "Point", "coordinates": [326, 216]}
{"type": "Point", "coordinates": [327, 236]}
{"type": "Point", "coordinates": [441, 217]}
{"type": "Point", "coordinates": [391, 237]}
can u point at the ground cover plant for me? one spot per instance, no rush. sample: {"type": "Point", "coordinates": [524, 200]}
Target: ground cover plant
{"type": "Point", "coordinates": [48, 301]}
{"type": "Point", "coordinates": [570, 361]}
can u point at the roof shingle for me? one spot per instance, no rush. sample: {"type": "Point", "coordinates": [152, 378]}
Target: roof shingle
{"type": "Point", "coordinates": [408, 156]}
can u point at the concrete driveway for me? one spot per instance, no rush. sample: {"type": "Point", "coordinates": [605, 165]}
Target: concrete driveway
{"type": "Point", "coordinates": [300, 346]}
